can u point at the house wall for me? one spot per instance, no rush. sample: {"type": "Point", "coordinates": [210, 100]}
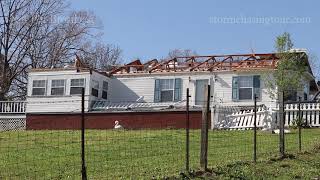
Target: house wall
{"type": "Point", "coordinates": [50, 103]}
{"type": "Point", "coordinates": [129, 120]}
{"type": "Point", "coordinates": [131, 87]}
{"type": "Point", "coordinates": [223, 89]}
{"type": "Point", "coordinates": [100, 78]}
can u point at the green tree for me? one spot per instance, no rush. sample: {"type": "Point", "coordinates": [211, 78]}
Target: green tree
{"type": "Point", "coordinates": [292, 69]}
{"type": "Point", "coordinates": [290, 74]}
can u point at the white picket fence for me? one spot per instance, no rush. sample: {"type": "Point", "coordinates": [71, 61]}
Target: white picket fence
{"type": "Point", "coordinates": [310, 113]}
{"type": "Point", "coordinates": [224, 118]}
{"type": "Point", "coordinates": [240, 119]}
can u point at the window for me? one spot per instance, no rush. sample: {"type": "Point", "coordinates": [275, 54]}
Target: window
{"type": "Point", "coordinates": [244, 87]}
{"type": "Point", "coordinates": [76, 86]}
{"type": "Point", "coordinates": [95, 88]}
{"type": "Point", "coordinates": [39, 87]}
{"type": "Point", "coordinates": [57, 87]}
{"type": "Point", "coordinates": [105, 90]}
{"type": "Point", "coordinates": [167, 90]}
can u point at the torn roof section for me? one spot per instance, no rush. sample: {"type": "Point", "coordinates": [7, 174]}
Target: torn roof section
{"type": "Point", "coordinates": [233, 62]}
{"type": "Point", "coordinates": [200, 63]}
{"type": "Point", "coordinates": [211, 63]}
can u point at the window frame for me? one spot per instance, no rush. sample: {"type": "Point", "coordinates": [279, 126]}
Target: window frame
{"type": "Point", "coordinates": [167, 89]}
{"type": "Point", "coordinates": [44, 87]}
{"type": "Point", "coordinates": [77, 86]}
{"type": "Point", "coordinates": [246, 87]}
{"type": "Point", "coordinates": [158, 89]}
{"type": "Point", "coordinates": [64, 87]}
{"type": "Point", "coordinates": [105, 90]}
{"type": "Point", "coordinates": [93, 88]}
{"type": "Point", "coordinates": [256, 87]}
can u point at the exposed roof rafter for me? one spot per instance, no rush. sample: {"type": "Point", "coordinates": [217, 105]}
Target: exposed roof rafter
{"type": "Point", "coordinates": [203, 63]}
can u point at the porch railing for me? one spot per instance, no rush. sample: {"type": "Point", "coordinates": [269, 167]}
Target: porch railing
{"type": "Point", "coordinates": [12, 107]}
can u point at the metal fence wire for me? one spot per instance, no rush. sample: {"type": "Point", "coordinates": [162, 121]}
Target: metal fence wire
{"type": "Point", "coordinates": [144, 153]}
{"type": "Point", "coordinates": [129, 145]}
{"type": "Point", "coordinates": [39, 154]}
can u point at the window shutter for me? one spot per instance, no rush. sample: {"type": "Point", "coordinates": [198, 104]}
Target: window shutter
{"type": "Point", "coordinates": [157, 90]}
{"type": "Point", "coordinates": [177, 89]}
{"type": "Point", "coordinates": [235, 89]}
{"type": "Point", "coordinates": [256, 86]}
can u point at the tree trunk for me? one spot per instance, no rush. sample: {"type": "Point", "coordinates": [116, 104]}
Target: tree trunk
{"type": "Point", "coordinates": [281, 124]}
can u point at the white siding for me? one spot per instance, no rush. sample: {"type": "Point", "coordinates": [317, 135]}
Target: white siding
{"type": "Point", "coordinates": [67, 75]}
{"type": "Point", "coordinates": [48, 103]}
{"type": "Point", "coordinates": [130, 88]}
{"type": "Point", "coordinates": [223, 90]}
{"type": "Point", "coordinates": [56, 104]}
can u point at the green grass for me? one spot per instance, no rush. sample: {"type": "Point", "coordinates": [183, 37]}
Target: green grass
{"type": "Point", "coordinates": [302, 165]}
{"type": "Point", "coordinates": [298, 166]}
{"type": "Point", "coordinates": [136, 154]}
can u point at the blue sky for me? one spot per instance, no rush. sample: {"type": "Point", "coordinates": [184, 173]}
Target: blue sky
{"type": "Point", "coordinates": [149, 29]}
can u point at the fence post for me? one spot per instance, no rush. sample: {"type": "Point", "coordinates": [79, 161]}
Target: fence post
{"type": "Point", "coordinates": [281, 123]}
{"type": "Point", "coordinates": [300, 123]}
{"type": "Point", "coordinates": [204, 129]}
{"type": "Point", "coordinates": [255, 130]}
{"type": "Point", "coordinates": [83, 165]}
{"type": "Point", "coordinates": [187, 131]}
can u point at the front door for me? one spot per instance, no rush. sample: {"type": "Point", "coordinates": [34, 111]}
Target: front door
{"type": "Point", "coordinates": [200, 84]}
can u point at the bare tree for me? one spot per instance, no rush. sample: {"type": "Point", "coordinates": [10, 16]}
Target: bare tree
{"type": "Point", "coordinates": [181, 53]}
{"type": "Point", "coordinates": [61, 39]}
{"type": "Point", "coordinates": [37, 34]}
{"type": "Point", "coordinates": [20, 20]}
{"type": "Point", "coordinates": [101, 56]}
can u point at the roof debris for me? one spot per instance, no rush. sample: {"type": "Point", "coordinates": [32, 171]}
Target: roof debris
{"type": "Point", "coordinates": [201, 63]}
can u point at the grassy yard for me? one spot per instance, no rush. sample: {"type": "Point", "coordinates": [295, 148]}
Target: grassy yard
{"type": "Point", "coordinates": [136, 154]}
{"type": "Point", "coordinates": [302, 165]}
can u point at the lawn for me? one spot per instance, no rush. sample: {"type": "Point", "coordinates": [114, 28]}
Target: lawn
{"type": "Point", "coordinates": [302, 165]}
{"type": "Point", "coordinates": [136, 154]}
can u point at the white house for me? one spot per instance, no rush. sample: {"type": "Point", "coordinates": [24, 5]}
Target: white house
{"type": "Point", "coordinates": [171, 87]}
{"type": "Point", "coordinates": [153, 94]}
{"type": "Point", "coordinates": [234, 80]}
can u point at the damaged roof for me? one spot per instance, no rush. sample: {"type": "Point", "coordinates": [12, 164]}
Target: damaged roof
{"type": "Point", "coordinates": [201, 63]}
{"type": "Point", "coordinates": [211, 63]}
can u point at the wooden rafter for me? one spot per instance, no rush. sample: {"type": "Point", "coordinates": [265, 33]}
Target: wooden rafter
{"type": "Point", "coordinates": [161, 64]}
{"type": "Point", "coordinates": [206, 63]}
{"type": "Point", "coordinates": [220, 62]}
